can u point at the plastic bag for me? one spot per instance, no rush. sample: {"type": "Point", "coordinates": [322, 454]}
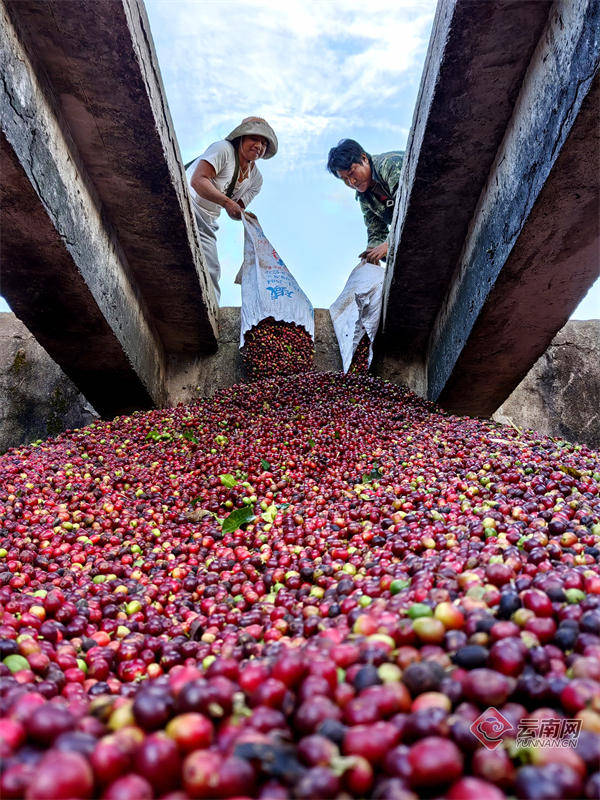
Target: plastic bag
{"type": "Point", "coordinates": [357, 310]}
{"type": "Point", "coordinates": [268, 288]}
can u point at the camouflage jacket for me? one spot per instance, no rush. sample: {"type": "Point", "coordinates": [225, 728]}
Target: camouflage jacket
{"type": "Point", "coordinates": [378, 213]}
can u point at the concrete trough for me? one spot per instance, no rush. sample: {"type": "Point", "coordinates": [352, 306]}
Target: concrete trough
{"type": "Point", "coordinates": [62, 269]}
{"type": "Point", "coordinates": [495, 234]}
{"type": "Point", "coordinates": [103, 72]}
{"type": "Point", "coordinates": [100, 258]}
{"type": "Point", "coordinates": [478, 54]}
{"type": "Point", "coordinates": [533, 247]}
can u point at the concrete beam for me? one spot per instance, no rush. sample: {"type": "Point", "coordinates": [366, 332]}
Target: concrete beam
{"type": "Point", "coordinates": [100, 61]}
{"type": "Point", "coordinates": [63, 271]}
{"type": "Point", "coordinates": [533, 246]}
{"type": "Point", "coordinates": [478, 53]}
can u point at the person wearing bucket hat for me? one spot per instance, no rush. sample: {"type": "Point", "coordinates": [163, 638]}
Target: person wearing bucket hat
{"type": "Point", "coordinates": [226, 176]}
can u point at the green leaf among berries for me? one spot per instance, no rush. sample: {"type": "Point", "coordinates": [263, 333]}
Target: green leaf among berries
{"type": "Point", "coordinates": [237, 518]}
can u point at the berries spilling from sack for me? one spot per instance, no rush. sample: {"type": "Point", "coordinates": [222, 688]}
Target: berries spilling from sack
{"type": "Point", "coordinates": [360, 360]}
{"type": "Point", "coordinates": [274, 348]}
{"type": "Point", "coordinates": [311, 587]}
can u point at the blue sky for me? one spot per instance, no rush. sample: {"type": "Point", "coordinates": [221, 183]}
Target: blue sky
{"type": "Point", "coordinates": [318, 71]}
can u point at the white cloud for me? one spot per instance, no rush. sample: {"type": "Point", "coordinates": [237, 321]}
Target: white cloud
{"type": "Point", "coordinates": [310, 68]}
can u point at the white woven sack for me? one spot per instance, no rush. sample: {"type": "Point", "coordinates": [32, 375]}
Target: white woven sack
{"type": "Point", "coordinates": [268, 287]}
{"type": "Point", "coordinates": [357, 310]}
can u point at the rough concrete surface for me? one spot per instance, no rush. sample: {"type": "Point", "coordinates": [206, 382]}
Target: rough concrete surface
{"type": "Point", "coordinates": [560, 396]}
{"type": "Point", "coordinates": [204, 376]}
{"type": "Point", "coordinates": [403, 371]}
{"type": "Point", "coordinates": [63, 271]}
{"type": "Point", "coordinates": [533, 247]}
{"type": "Point", "coordinates": [327, 351]}
{"type": "Point", "coordinates": [102, 68]}
{"type": "Point", "coordinates": [478, 53]}
{"type": "Point", "coordinates": [37, 399]}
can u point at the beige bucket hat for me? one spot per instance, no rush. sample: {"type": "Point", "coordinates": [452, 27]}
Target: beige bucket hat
{"type": "Point", "coordinates": [258, 127]}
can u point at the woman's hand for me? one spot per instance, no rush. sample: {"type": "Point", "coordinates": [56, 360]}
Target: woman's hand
{"type": "Point", "coordinates": [233, 209]}
{"type": "Point", "coordinates": [375, 254]}
{"type": "Point", "coordinates": [202, 183]}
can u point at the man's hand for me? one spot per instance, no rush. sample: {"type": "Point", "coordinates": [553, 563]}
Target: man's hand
{"type": "Point", "coordinates": [233, 209]}
{"type": "Point", "coordinates": [375, 254]}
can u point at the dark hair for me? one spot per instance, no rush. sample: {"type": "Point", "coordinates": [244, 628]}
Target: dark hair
{"type": "Point", "coordinates": [343, 155]}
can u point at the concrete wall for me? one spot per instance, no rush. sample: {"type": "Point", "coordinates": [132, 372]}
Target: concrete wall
{"type": "Point", "coordinates": [36, 398]}
{"type": "Point", "coordinates": [560, 395]}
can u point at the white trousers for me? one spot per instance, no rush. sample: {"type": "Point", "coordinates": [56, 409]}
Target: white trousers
{"type": "Point", "coordinates": [207, 228]}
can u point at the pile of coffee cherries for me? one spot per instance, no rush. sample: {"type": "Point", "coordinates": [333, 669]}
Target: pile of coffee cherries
{"type": "Point", "coordinates": [360, 359]}
{"type": "Point", "coordinates": [318, 586]}
{"type": "Point", "coordinates": [275, 348]}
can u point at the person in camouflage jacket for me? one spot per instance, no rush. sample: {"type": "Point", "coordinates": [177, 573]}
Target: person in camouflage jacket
{"type": "Point", "coordinates": [375, 179]}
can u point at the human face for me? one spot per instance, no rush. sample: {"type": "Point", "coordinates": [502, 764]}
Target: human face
{"type": "Point", "coordinates": [253, 147]}
{"type": "Point", "coordinates": [359, 175]}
